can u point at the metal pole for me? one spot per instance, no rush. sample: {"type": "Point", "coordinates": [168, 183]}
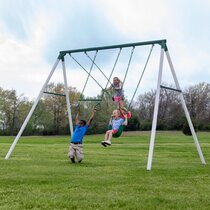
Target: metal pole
{"type": "Point", "coordinates": [31, 111]}
{"type": "Point", "coordinates": [161, 42]}
{"type": "Point", "coordinates": [154, 122]}
{"type": "Point", "coordinates": [185, 110]}
{"type": "Point", "coordinates": [67, 98]}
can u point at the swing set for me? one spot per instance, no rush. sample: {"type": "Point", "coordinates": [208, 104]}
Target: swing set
{"type": "Point", "coordinates": [98, 100]}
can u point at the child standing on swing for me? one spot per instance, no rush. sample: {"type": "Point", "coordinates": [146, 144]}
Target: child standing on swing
{"type": "Point", "coordinates": [118, 97]}
{"type": "Point", "coordinates": [115, 122]}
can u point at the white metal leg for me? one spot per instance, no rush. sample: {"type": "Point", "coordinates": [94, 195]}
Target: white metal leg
{"type": "Point", "coordinates": [31, 111]}
{"type": "Point", "coordinates": [185, 109]}
{"type": "Point", "coordinates": [154, 122]}
{"type": "Point", "coordinates": [67, 98]}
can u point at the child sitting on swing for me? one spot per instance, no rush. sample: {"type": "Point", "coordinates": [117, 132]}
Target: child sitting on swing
{"type": "Point", "coordinates": [115, 122]}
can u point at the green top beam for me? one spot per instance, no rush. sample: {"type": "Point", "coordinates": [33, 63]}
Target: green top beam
{"type": "Point", "coordinates": [162, 43]}
{"type": "Point", "coordinates": [169, 88]}
{"type": "Point", "coordinates": [56, 94]}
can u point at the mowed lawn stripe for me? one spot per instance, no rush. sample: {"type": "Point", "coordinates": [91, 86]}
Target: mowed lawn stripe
{"type": "Point", "coordinates": [39, 175]}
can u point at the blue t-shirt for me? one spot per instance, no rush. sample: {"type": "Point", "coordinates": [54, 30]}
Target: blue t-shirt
{"type": "Point", "coordinates": [79, 133]}
{"type": "Point", "coordinates": [116, 123]}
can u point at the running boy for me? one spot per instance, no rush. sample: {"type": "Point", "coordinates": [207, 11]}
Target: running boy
{"type": "Point", "coordinates": [76, 147]}
{"type": "Point", "coordinates": [116, 121]}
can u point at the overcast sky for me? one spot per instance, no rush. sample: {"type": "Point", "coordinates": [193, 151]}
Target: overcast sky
{"type": "Point", "coordinates": [32, 32]}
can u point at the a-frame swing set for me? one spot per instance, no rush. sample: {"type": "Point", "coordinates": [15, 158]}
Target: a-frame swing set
{"type": "Point", "coordinates": [163, 51]}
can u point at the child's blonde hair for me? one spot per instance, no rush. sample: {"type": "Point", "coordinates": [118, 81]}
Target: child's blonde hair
{"type": "Point", "coordinates": [117, 111]}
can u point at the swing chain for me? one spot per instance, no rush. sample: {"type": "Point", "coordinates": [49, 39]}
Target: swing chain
{"type": "Point", "coordinates": [97, 107]}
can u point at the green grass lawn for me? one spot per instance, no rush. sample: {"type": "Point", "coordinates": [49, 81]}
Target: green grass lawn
{"type": "Point", "coordinates": [38, 174]}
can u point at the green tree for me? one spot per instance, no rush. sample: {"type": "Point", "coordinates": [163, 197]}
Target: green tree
{"type": "Point", "coordinates": [55, 115]}
{"type": "Point", "coordinates": [198, 103]}
{"type": "Point", "coordinates": [9, 108]}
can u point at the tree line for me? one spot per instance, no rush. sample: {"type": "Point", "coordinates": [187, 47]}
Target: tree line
{"type": "Point", "coordinates": [51, 118]}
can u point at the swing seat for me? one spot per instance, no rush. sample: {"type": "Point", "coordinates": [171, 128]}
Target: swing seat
{"type": "Point", "coordinates": [119, 132]}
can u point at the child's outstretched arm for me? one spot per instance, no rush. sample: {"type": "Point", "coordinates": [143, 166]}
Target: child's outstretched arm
{"type": "Point", "coordinates": [91, 117]}
{"type": "Point", "coordinates": [77, 117]}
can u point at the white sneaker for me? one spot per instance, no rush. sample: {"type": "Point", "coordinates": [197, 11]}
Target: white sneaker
{"type": "Point", "coordinates": [107, 142]}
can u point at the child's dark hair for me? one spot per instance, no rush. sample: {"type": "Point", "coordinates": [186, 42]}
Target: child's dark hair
{"type": "Point", "coordinates": [84, 122]}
